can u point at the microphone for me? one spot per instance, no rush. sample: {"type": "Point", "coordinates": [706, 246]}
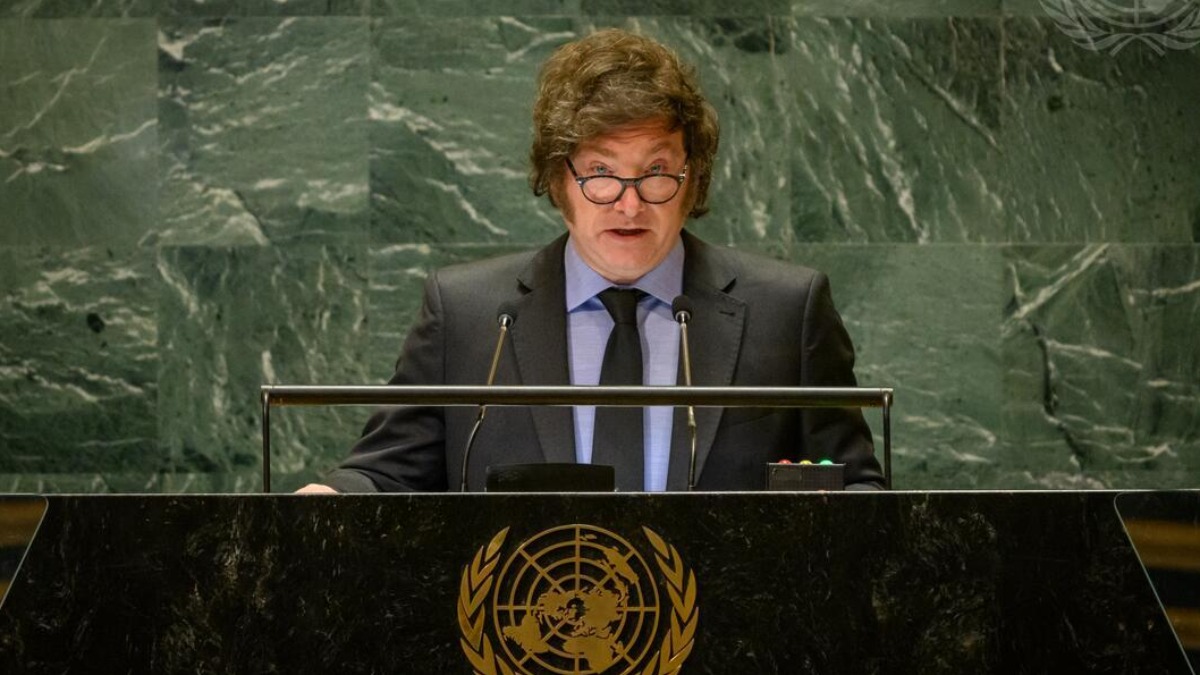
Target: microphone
{"type": "Point", "coordinates": [506, 315]}
{"type": "Point", "coordinates": [681, 309]}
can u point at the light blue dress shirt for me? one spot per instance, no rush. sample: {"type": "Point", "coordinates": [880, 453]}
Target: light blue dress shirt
{"type": "Point", "coordinates": [588, 327]}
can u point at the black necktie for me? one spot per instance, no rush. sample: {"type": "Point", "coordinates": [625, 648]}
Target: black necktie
{"type": "Point", "coordinates": [617, 435]}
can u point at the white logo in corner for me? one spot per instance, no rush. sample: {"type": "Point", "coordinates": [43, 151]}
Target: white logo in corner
{"type": "Point", "coordinates": [1107, 26]}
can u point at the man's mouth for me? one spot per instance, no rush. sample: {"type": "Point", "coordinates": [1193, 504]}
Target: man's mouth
{"type": "Point", "coordinates": [628, 231]}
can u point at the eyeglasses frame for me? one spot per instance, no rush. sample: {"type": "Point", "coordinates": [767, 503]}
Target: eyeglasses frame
{"type": "Point", "coordinates": [626, 182]}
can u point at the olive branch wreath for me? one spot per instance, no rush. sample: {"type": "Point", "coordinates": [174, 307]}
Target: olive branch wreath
{"type": "Point", "coordinates": [678, 642]}
{"type": "Point", "coordinates": [1181, 29]}
{"type": "Point", "coordinates": [478, 578]}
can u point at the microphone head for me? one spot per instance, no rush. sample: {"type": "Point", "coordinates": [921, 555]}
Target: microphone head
{"type": "Point", "coordinates": [506, 315]}
{"type": "Point", "coordinates": [681, 308]}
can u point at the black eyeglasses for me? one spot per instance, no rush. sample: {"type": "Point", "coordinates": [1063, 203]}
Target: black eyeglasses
{"type": "Point", "coordinates": [654, 188]}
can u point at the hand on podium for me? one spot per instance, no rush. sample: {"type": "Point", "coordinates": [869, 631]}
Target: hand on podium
{"type": "Point", "coordinates": [316, 489]}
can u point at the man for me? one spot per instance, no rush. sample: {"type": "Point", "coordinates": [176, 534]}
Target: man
{"type": "Point", "coordinates": [624, 145]}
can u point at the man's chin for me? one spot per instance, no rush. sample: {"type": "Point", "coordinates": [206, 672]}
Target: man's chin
{"type": "Point", "coordinates": [624, 272]}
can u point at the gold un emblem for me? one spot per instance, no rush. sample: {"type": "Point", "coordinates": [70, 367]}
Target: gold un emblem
{"type": "Point", "coordinates": [577, 599]}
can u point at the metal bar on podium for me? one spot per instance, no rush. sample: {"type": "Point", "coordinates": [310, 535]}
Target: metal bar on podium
{"type": "Point", "coordinates": [435, 395]}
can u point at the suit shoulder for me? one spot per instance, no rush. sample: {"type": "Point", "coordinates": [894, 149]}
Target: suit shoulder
{"type": "Point", "coordinates": [488, 270]}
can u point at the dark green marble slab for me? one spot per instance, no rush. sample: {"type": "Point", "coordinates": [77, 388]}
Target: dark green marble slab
{"type": "Point", "coordinates": [988, 130]}
{"type": "Point", "coordinates": [38, 483]}
{"type": "Point", "coordinates": [1102, 375]}
{"type": "Point", "coordinates": [77, 132]}
{"type": "Point", "coordinates": [924, 322]}
{"type": "Point", "coordinates": [1032, 8]}
{"type": "Point", "coordinates": [263, 131]}
{"type": "Point", "coordinates": [893, 124]}
{"type": "Point", "coordinates": [229, 482]}
{"type": "Point", "coordinates": [468, 8]}
{"type": "Point", "coordinates": [147, 481]}
{"type": "Point", "coordinates": [398, 275]}
{"type": "Point", "coordinates": [233, 319]}
{"type": "Point", "coordinates": [264, 7]}
{"type": "Point", "coordinates": [890, 8]}
{"type": "Point", "coordinates": [113, 482]}
{"type": "Point", "coordinates": [1098, 148]}
{"type": "Point", "coordinates": [450, 107]}
{"type": "Point", "coordinates": [55, 9]}
{"type": "Point", "coordinates": [706, 8]}
{"type": "Point", "coordinates": [78, 372]}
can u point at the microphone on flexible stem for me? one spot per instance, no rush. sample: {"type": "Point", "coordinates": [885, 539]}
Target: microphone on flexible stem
{"type": "Point", "coordinates": [505, 316]}
{"type": "Point", "coordinates": [681, 309]}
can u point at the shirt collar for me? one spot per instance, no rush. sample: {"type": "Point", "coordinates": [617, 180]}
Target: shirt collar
{"type": "Point", "coordinates": [664, 282]}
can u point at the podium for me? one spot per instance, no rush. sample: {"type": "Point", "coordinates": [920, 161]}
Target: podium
{"type": "Point", "coordinates": [901, 582]}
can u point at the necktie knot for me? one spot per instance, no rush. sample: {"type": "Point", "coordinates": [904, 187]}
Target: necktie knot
{"type": "Point", "coordinates": [621, 304]}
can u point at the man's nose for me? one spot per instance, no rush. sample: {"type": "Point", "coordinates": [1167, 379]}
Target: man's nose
{"type": "Point", "coordinates": [630, 203]}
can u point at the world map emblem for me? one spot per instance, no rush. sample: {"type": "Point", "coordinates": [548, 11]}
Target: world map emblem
{"type": "Point", "coordinates": [577, 599]}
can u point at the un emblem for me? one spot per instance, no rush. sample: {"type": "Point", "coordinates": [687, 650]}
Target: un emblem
{"type": "Point", "coordinates": [577, 599]}
{"type": "Point", "coordinates": [1111, 25]}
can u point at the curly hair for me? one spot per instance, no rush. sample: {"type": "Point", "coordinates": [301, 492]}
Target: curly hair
{"type": "Point", "coordinates": [609, 79]}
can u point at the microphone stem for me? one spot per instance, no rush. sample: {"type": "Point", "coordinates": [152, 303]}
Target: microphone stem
{"type": "Point", "coordinates": [496, 353]}
{"type": "Point", "coordinates": [691, 410]}
{"type": "Point", "coordinates": [471, 442]}
{"type": "Point", "coordinates": [483, 408]}
{"type": "Point", "coordinates": [492, 373]}
{"type": "Point", "coordinates": [687, 359]}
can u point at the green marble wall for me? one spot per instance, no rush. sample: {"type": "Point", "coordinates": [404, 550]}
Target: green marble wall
{"type": "Point", "coordinates": [197, 197]}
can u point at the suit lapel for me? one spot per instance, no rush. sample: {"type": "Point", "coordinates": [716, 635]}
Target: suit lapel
{"type": "Point", "coordinates": [715, 337]}
{"type": "Point", "coordinates": [539, 338]}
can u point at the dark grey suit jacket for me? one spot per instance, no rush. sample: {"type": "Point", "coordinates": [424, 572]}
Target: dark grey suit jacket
{"type": "Point", "coordinates": [756, 322]}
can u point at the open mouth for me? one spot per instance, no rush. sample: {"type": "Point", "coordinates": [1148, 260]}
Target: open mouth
{"type": "Point", "coordinates": [628, 231]}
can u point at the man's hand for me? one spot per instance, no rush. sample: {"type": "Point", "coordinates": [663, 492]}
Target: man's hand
{"type": "Point", "coordinates": [316, 489]}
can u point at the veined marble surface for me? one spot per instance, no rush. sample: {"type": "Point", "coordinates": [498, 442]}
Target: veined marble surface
{"type": "Point", "coordinates": [78, 361]}
{"type": "Point", "coordinates": [77, 132]}
{"type": "Point", "coordinates": [264, 136]}
{"type": "Point", "coordinates": [1102, 382]}
{"type": "Point", "coordinates": [233, 319]}
{"type": "Point", "coordinates": [198, 197]}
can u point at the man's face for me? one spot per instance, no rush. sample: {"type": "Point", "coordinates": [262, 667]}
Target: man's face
{"type": "Point", "coordinates": [626, 239]}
